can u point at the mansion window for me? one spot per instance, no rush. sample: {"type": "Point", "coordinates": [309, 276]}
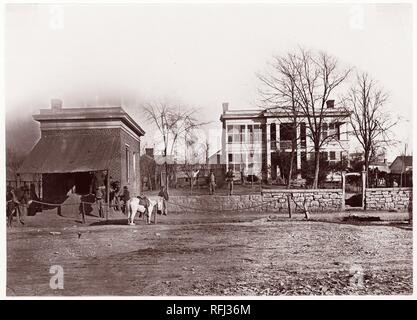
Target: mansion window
{"type": "Point", "coordinates": [244, 133]}
{"type": "Point", "coordinates": [334, 130]}
{"type": "Point", "coordinates": [233, 134]}
{"type": "Point", "coordinates": [331, 130]}
{"type": "Point", "coordinates": [324, 130]}
{"type": "Point", "coordinates": [252, 161]}
{"type": "Point", "coordinates": [237, 133]}
{"type": "Point", "coordinates": [287, 132]}
{"type": "Point", "coordinates": [273, 136]}
{"type": "Point", "coordinates": [254, 133]}
{"type": "Point", "coordinates": [303, 134]}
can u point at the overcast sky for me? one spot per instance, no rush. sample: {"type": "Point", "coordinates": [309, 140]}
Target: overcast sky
{"type": "Point", "coordinates": [200, 55]}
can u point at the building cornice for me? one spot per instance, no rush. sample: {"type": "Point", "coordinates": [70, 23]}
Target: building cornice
{"type": "Point", "coordinates": [256, 114]}
{"type": "Point", "coordinates": [88, 115]}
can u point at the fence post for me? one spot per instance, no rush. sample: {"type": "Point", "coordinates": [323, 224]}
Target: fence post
{"type": "Point", "coordinates": [343, 206]}
{"type": "Point", "coordinates": [289, 206]}
{"type": "Point", "coordinates": [83, 212]}
{"type": "Point", "coordinates": [364, 190]}
{"type": "Point", "coordinates": [107, 195]}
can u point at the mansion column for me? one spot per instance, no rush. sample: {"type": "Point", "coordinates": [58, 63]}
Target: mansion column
{"type": "Point", "coordinates": [298, 144]}
{"type": "Point", "coordinates": [268, 149]}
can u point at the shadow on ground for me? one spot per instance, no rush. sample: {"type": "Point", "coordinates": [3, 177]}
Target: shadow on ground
{"type": "Point", "coordinates": [369, 221]}
{"type": "Point", "coordinates": [114, 222]}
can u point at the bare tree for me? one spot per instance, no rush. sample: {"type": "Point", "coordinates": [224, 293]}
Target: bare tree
{"type": "Point", "coordinates": [371, 123]}
{"type": "Point", "coordinates": [196, 156]}
{"type": "Point", "coordinates": [206, 147]}
{"type": "Point", "coordinates": [299, 85]}
{"type": "Point", "coordinates": [189, 161]}
{"type": "Point", "coordinates": [172, 122]}
{"type": "Point", "coordinates": [279, 95]}
{"type": "Point", "coordinates": [148, 170]}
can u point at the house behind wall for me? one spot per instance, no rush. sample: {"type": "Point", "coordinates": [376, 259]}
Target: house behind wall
{"type": "Point", "coordinates": [255, 139]}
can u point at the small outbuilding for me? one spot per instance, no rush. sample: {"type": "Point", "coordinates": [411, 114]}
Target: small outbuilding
{"type": "Point", "coordinates": [402, 170]}
{"type": "Point", "coordinates": [81, 149]}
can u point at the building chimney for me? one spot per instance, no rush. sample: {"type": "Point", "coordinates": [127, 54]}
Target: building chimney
{"type": "Point", "coordinates": [149, 152]}
{"type": "Point", "coordinates": [56, 104]}
{"type": "Point", "coordinates": [225, 106]}
{"type": "Point", "coordinates": [330, 104]}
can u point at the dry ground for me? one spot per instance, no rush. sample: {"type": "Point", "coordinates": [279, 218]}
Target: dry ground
{"type": "Point", "coordinates": [220, 254]}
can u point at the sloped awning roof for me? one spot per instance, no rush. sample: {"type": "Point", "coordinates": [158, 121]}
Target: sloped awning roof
{"type": "Point", "coordinates": [74, 153]}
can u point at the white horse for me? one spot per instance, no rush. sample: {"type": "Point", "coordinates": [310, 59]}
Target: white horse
{"type": "Point", "coordinates": [133, 205]}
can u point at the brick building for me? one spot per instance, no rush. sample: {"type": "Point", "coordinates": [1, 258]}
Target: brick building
{"type": "Point", "coordinates": [80, 148]}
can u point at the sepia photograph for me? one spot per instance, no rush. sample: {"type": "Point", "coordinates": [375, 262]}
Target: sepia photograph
{"type": "Point", "coordinates": [227, 149]}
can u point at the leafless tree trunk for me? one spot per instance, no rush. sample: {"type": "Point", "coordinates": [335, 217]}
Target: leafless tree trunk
{"type": "Point", "coordinates": [171, 121]}
{"type": "Point", "coordinates": [317, 76]}
{"type": "Point", "coordinates": [304, 81]}
{"type": "Point", "coordinates": [371, 123]}
{"type": "Point", "coordinates": [278, 94]}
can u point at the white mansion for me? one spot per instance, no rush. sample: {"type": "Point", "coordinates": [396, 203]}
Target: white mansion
{"type": "Point", "coordinates": [256, 139]}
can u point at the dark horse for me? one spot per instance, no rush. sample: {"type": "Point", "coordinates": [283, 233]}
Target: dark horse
{"type": "Point", "coordinates": [18, 200]}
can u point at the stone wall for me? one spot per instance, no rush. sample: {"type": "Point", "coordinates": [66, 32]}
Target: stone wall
{"type": "Point", "coordinates": [327, 200]}
{"type": "Point", "coordinates": [388, 198]}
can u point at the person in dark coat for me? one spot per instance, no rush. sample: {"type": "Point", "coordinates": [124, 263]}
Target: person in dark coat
{"type": "Point", "coordinates": [115, 194]}
{"type": "Point", "coordinates": [164, 194]}
{"type": "Point", "coordinates": [229, 178]}
{"type": "Point", "coordinates": [99, 201]}
{"type": "Point", "coordinates": [212, 182]}
{"type": "Point", "coordinates": [125, 197]}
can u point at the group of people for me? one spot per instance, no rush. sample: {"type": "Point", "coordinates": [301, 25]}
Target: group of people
{"type": "Point", "coordinates": [230, 175]}
{"type": "Point", "coordinates": [119, 197]}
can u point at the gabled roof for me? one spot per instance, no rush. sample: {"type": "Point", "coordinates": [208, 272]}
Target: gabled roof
{"type": "Point", "coordinates": [408, 160]}
{"type": "Point", "coordinates": [401, 163]}
{"type": "Point", "coordinates": [216, 153]}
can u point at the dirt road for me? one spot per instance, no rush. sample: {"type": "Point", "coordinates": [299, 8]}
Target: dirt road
{"type": "Point", "coordinates": [218, 254]}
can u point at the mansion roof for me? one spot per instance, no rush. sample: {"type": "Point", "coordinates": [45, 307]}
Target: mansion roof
{"type": "Point", "coordinates": [274, 113]}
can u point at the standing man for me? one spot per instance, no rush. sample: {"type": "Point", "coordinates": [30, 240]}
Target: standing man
{"type": "Point", "coordinates": [242, 173]}
{"type": "Point", "coordinates": [99, 201]}
{"type": "Point", "coordinates": [165, 197]}
{"type": "Point", "coordinates": [212, 182]}
{"type": "Point", "coordinates": [229, 178]}
{"type": "Point", "coordinates": [114, 194]}
{"type": "Point", "coordinates": [125, 197]}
